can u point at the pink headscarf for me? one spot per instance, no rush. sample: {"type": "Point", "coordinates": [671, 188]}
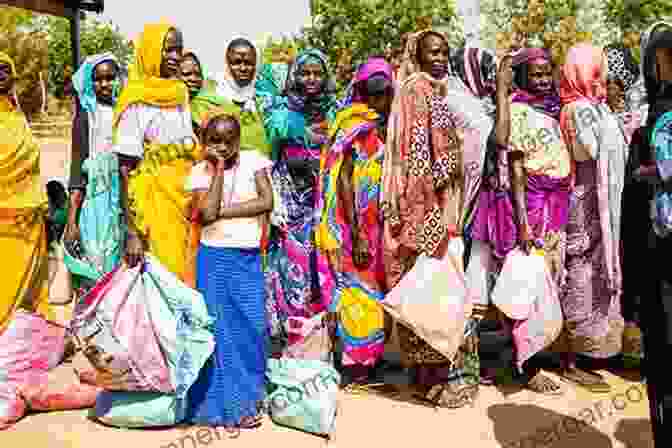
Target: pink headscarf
{"type": "Point", "coordinates": [584, 75]}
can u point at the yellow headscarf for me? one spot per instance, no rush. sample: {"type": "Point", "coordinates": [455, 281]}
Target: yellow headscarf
{"type": "Point", "coordinates": [4, 57]}
{"type": "Point", "coordinates": [145, 84]}
{"type": "Point", "coordinates": [7, 105]}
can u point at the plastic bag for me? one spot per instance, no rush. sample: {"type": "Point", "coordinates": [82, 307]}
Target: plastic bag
{"type": "Point", "coordinates": [12, 406]}
{"type": "Point", "coordinates": [433, 301]}
{"type": "Point", "coordinates": [308, 338]}
{"type": "Point", "coordinates": [144, 330]}
{"type": "Point", "coordinates": [520, 283]}
{"type": "Point", "coordinates": [138, 409]}
{"type": "Point", "coordinates": [108, 321]}
{"type": "Point", "coordinates": [305, 395]}
{"type": "Point", "coordinates": [30, 346]}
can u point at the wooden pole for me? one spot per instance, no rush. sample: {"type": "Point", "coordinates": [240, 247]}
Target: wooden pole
{"type": "Point", "coordinates": [74, 38]}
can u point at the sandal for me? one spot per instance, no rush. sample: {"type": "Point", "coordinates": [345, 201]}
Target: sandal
{"type": "Point", "coordinates": [588, 380]}
{"type": "Point", "coordinates": [251, 422]}
{"type": "Point", "coordinates": [445, 396]}
{"type": "Point", "coordinates": [542, 384]}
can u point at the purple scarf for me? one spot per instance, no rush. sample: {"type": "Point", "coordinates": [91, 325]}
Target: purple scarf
{"type": "Point", "coordinates": [546, 102]}
{"type": "Point", "coordinates": [547, 210]}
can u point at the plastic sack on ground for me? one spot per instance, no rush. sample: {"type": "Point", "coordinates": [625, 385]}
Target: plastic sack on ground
{"type": "Point", "coordinates": [62, 391]}
{"type": "Point", "coordinates": [12, 406]}
{"type": "Point", "coordinates": [138, 409]}
{"type": "Point", "coordinates": [144, 330]}
{"type": "Point", "coordinates": [305, 395]}
{"type": "Point", "coordinates": [30, 346]}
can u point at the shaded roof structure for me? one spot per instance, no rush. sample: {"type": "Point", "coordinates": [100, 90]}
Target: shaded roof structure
{"type": "Point", "coordinates": [61, 8]}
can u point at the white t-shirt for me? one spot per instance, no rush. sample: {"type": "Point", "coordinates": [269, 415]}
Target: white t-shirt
{"type": "Point", "coordinates": [239, 186]}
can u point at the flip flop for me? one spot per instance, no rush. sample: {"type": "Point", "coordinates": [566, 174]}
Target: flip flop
{"type": "Point", "coordinates": [599, 387]}
{"type": "Point", "coordinates": [250, 422]}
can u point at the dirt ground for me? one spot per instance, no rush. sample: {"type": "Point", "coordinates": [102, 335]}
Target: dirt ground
{"type": "Point", "coordinates": [507, 417]}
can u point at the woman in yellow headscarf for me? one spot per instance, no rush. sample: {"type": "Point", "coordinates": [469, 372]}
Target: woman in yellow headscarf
{"type": "Point", "coordinates": [23, 206]}
{"type": "Point", "coordinates": [157, 148]}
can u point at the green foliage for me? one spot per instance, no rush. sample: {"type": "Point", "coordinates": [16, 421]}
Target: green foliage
{"type": "Point", "coordinates": [631, 15]}
{"type": "Point", "coordinates": [349, 31]}
{"type": "Point", "coordinates": [279, 50]}
{"type": "Point", "coordinates": [95, 37]}
{"type": "Point", "coordinates": [28, 49]}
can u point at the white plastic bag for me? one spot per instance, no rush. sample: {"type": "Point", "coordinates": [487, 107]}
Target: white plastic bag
{"type": "Point", "coordinates": [433, 301]}
{"type": "Point", "coordinates": [520, 284]}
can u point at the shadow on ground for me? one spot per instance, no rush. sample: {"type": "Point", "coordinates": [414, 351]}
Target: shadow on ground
{"type": "Point", "coordinates": [526, 426]}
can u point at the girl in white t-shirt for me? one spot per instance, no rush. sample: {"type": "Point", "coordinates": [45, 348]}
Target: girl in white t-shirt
{"type": "Point", "coordinates": [233, 195]}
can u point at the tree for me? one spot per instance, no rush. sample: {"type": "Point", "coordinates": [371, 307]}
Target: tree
{"type": "Point", "coordinates": [95, 37]}
{"type": "Point", "coordinates": [279, 50]}
{"type": "Point", "coordinates": [552, 24]}
{"type": "Point", "coordinates": [28, 49]}
{"type": "Point", "coordinates": [349, 31]}
{"type": "Point", "coordinates": [630, 17]}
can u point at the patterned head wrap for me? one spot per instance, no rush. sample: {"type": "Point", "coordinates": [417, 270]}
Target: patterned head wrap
{"type": "Point", "coordinates": [297, 99]}
{"type": "Point", "coordinates": [621, 65]}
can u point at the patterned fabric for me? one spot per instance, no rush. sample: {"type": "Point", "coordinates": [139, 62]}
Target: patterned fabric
{"type": "Point", "coordinates": [422, 156]}
{"type": "Point", "coordinates": [418, 352]}
{"type": "Point", "coordinates": [294, 273]}
{"type": "Point", "coordinates": [591, 308]}
{"type": "Point", "coordinates": [592, 132]}
{"type": "Point", "coordinates": [661, 141]}
{"type": "Point", "coordinates": [355, 291]}
{"type": "Point", "coordinates": [297, 99]}
{"type": "Point", "coordinates": [591, 295]}
{"type": "Point", "coordinates": [231, 385]}
{"type": "Point", "coordinates": [423, 181]}
{"type": "Point", "coordinates": [621, 65]}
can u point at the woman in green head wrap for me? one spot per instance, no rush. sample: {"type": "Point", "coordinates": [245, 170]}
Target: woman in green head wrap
{"type": "Point", "coordinates": [204, 96]}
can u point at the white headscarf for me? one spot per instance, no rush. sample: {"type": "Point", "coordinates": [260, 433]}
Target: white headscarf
{"type": "Point", "coordinates": [228, 88]}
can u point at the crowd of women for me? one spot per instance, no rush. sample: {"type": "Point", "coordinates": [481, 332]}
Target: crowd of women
{"type": "Point", "coordinates": [295, 213]}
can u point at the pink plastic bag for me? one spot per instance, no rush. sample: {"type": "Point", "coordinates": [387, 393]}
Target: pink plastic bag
{"type": "Point", "coordinates": [12, 406]}
{"type": "Point", "coordinates": [62, 391]}
{"type": "Point", "coordinates": [29, 348]}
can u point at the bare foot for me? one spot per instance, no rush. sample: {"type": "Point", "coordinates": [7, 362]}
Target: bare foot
{"type": "Point", "coordinates": [542, 384]}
